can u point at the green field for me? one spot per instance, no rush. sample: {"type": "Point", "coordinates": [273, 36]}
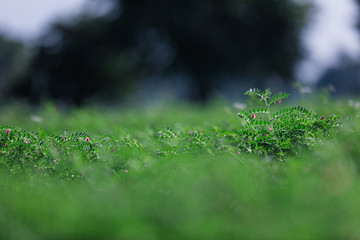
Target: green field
{"type": "Point", "coordinates": [146, 189]}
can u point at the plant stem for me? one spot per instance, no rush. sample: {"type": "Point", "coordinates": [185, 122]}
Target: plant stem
{"type": "Point", "coordinates": [268, 108]}
{"type": "Point", "coordinates": [250, 124]}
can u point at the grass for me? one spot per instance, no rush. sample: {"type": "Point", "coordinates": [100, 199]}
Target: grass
{"type": "Point", "coordinates": [198, 194]}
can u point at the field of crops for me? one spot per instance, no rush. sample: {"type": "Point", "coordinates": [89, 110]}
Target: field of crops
{"type": "Point", "coordinates": [174, 171]}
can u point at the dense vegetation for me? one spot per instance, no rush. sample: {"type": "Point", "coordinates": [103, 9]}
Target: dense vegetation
{"type": "Point", "coordinates": [177, 171]}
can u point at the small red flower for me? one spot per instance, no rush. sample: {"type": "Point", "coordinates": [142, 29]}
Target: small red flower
{"type": "Point", "coordinates": [125, 171]}
{"type": "Point", "coordinates": [271, 129]}
{"type": "Point", "coordinates": [279, 101]}
{"type": "Point", "coordinates": [253, 116]}
{"type": "Point", "coordinates": [87, 139]}
{"type": "Point", "coordinates": [26, 141]}
{"type": "Point", "coordinates": [267, 135]}
{"type": "Point", "coordinates": [8, 131]}
{"type": "Point", "coordinates": [322, 117]}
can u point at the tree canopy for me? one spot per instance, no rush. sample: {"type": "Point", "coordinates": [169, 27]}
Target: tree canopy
{"type": "Point", "coordinates": [109, 55]}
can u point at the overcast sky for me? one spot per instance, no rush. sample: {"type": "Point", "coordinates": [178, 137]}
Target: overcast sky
{"type": "Point", "coordinates": [330, 34]}
{"type": "Point", "coordinates": [28, 18]}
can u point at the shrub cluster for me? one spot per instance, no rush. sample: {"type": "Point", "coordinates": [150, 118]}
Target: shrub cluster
{"type": "Point", "coordinates": [284, 131]}
{"type": "Point", "coordinates": [264, 131]}
{"type": "Point", "coordinates": [45, 152]}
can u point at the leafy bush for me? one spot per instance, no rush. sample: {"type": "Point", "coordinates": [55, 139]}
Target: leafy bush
{"type": "Point", "coordinates": [282, 132]}
{"type": "Point", "coordinates": [21, 151]}
{"type": "Point", "coordinates": [265, 132]}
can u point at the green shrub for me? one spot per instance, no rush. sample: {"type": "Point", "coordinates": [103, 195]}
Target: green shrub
{"type": "Point", "coordinates": [282, 132]}
{"type": "Point", "coordinates": [49, 154]}
{"type": "Point", "coordinates": [265, 132]}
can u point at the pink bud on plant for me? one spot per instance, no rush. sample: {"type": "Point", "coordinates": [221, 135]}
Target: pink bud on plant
{"type": "Point", "coordinates": [279, 101]}
{"type": "Point", "coordinates": [271, 129]}
{"type": "Point", "coordinates": [8, 131]}
{"type": "Point", "coordinates": [322, 117]}
{"type": "Point", "coordinates": [87, 139]}
{"type": "Point", "coordinates": [253, 116]}
{"type": "Point", "coordinates": [26, 141]}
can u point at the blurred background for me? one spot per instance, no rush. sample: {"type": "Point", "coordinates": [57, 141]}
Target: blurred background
{"type": "Point", "coordinates": [122, 51]}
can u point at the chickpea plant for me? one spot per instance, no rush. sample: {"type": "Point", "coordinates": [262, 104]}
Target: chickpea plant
{"type": "Point", "coordinates": [282, 132]}
{"type": "Point", "coordinates": [49, 154]}
{"type": "Point", "coordinates": [267, 131]}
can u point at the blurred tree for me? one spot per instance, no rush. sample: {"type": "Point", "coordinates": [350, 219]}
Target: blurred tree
{"type": "Point", "coordinates": [342, 79]}
{"type": "Point", "coordinates": [110, 54]}
{"type": "Point", "coordinates": [14, 58]}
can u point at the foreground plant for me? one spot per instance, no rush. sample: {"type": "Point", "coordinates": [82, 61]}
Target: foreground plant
{"type": "Point", "coordinates": [266, 131]}
{"type": "Point", "coordinates": [47, 153]}
{"type": "Point", "coordinates": [64, 156]}
{"type": "Point", "coordinates": [282, 132]}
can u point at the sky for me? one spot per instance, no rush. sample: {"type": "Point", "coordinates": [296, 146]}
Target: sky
{"type": "Point", "coordinates": [330, 34]}
{"type": "Point", "coordinates": [27, 19]}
